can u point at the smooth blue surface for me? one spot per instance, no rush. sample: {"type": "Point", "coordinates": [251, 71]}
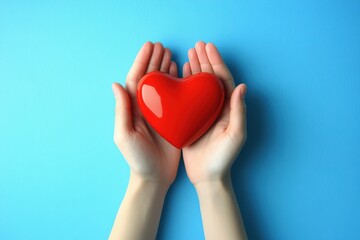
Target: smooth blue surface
{"type": "Point", "coordinates": [61, 176]}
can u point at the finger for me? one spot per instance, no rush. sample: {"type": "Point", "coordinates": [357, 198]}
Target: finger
{"type": "Point", "coordinates": [166, 61]}
{"type": "Point", "coordinates": [173, 69]}
{"type": "Point", "coordinates": [138, 69]}
{"type": "Point", "coordinates": [194, 61]}
{"type": "Point", "coordinates": [155, 60]}
{"type": "Point", "coordinates": [220, 68]}
{"type": "Point", "coordinates": [123, 119]}
{"type": "Point", "coordinates": [186, 70]}
{"type": "Point", "coordinates": [205, 64]}
{"type": "Point", "coordinates": [237, 123]}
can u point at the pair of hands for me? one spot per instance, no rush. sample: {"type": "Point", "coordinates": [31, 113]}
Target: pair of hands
{"type": "Point", "coordinates": [150, 157]}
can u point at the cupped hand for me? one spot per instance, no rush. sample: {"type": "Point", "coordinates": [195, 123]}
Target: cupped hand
{"type": "Point", "coordinates": [149, 156]}
{"type": "Point", "coordinates": [210, 158]}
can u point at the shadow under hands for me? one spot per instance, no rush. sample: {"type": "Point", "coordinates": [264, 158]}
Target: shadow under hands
{"type": "Point", "coordinates": [257, 136]}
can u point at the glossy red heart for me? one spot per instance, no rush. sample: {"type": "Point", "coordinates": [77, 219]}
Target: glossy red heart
{"type": "Point", "coordinates": [180, 110]}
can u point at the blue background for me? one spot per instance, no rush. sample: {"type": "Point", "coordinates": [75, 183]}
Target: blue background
{"type": "Point", "coordinates": [61, 175]}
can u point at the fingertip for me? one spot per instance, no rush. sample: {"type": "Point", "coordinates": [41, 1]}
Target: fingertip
{"type": "Point", "coordinates": [160, 46]}
{"type": "Point", "coordinates": [166, 61]}
{"type": "Point", "coordinates": [243, 90]}
{"type": "Point", "coordinates": [118, 90]}
{"type": "Point", "coordinates": [147, 46]}
{"type": "Point", "coordinates": [191, 53]}
{"type": "Point", "coordinates": [200, 50]}
{"type": "Point", "coordinates": [213, 53]}
{"type": "Point", "coordinates": [194, 61]}
{"type": "Point", "coordinates": [200, 47]}
{"type": "Point", "coordinates": [167, 50]}
{"type": "Point", "coordinates": [238, 95]}
{"type": "Point", "coordinates": [210, 47]}
{"type": "Point", "coordinates": [173, 69]}
{"type": "Point", "coordinates": [240, 91]}
{"type": "Point", "coordinates": [115, 88]}
{"type": "Point", "coordinates": [200, 43]}
{"type": "Point", "coordinates": [186, 70]}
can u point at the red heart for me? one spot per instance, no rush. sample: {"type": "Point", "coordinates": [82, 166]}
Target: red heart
{"type": "Point", "coordinates": [180, 110]}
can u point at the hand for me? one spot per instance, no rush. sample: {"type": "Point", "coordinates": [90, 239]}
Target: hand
{"type": "Point", "coordinates": [150, 157]}
{"type": "Point", "coordinates": [153, 161]}
{"type": "Point", "coordinates": [210, 158]}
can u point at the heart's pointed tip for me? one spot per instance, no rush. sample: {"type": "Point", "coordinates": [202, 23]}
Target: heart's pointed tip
{"type": "Point", "coordinates": [176, 145]}
{"type": "Point", "coordinates": [179, 144]}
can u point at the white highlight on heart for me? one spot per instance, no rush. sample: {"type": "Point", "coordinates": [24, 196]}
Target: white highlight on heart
{"type": "Point", "coordinates": [152, 100]}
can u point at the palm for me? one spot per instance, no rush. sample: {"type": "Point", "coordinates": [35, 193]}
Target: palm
{"type": "Point", "coordinates": [161, 158]}
{"type": "Point", "coordinates": [207, 148]}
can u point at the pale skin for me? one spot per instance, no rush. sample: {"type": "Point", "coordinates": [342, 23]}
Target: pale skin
{"type": "Point", "coordinates": [154, 162]}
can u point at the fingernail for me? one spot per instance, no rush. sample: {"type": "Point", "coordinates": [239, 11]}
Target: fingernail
{"type": "Point", "coordinates": [243, 92]}
{"type": "Point", "coordinates": [115, 91]}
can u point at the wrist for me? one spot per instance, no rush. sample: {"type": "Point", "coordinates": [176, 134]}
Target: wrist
{"type": "Point", "coordinates": [139, 183]}
{"type": "Point", "coordinates": [214, 186]}
{"type": "Point", "coordinates": [140, 210]}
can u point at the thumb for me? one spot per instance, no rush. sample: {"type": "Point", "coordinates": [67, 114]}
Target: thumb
{"type": "Point", "coordinates": [123, 119]}
{"type": "Point", "coordinates": [237, 124]}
